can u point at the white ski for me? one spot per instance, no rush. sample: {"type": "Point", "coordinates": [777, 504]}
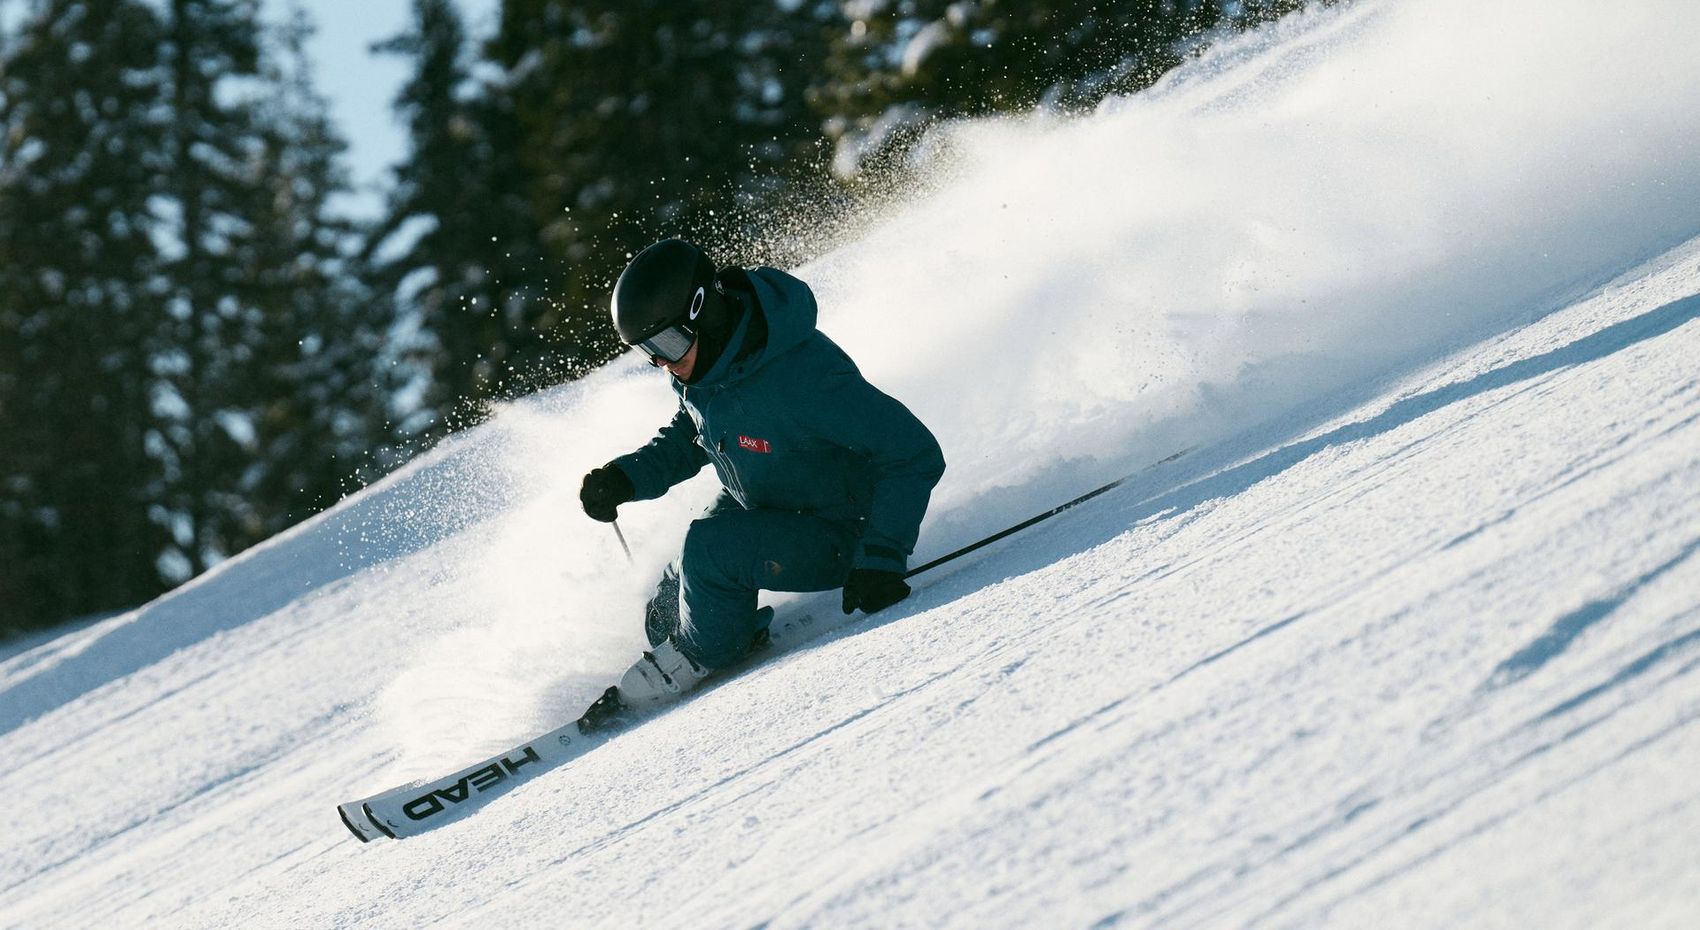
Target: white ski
{"type": "Point", "coordinates": [413, 808]}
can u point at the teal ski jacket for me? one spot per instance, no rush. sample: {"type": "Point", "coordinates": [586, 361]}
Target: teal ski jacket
{"type": "Point", "coordinates": [793, 425]}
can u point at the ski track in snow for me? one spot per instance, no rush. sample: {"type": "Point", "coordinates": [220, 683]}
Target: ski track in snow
{"type": "Point", "coordinates": [1412, 642]}
{"type": "Point", "coordinates": [1432, 663]}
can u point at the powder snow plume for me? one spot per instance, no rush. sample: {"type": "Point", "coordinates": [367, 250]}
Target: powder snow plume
{"type": "Point", "coordinates": [1317, 204]}
{"type": "Point", "coordinates": [1292, 219]}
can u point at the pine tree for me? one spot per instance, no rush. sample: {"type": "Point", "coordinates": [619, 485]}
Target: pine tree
{"type": "Point", "coordinates": [267, 349]}
{"type": "Point", "coordinates": [896, 68]}
{"type": "Point", "coordinates": [309, 390]}
{"type": "Point", "coordinates": [455, 252]}
{"type": "Point", "coordinates": [644, 118]}
{"type": "Point", "coordinates": [211, 47]}
{"type": "Point", "coordinates": [79, 298]}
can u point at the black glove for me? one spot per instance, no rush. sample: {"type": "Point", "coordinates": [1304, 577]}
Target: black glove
{"type": "Point", "coordinates": [871, 589]}
{"type": "Point", "coordinates": [603, 491]}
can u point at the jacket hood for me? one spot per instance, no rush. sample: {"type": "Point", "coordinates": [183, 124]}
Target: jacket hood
{"type": "Point", "coordinates": [784, 302]}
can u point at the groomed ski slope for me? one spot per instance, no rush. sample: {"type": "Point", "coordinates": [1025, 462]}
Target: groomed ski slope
{"type": "Point", "coordinates": [1411, 638]}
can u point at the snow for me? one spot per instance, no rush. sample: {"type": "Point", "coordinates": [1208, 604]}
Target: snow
{"type": "Point", "coordinates": [1410, 638]}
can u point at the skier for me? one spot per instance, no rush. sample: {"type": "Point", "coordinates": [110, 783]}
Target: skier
{"type": "Point", "coordinates": [824, 478]}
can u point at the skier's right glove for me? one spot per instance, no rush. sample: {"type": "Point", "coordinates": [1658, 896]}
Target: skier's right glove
{"type": "Point", "coordinates": [603, 491]}
{"type": "Point", "coordinates": [871, 589]}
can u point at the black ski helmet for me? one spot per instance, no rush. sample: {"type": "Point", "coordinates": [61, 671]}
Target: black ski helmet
{"type": "Point", "coordinates": [670, 282]}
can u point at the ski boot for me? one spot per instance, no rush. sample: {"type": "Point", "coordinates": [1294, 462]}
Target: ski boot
{"type": "Point", "coordinates": [660, 676]}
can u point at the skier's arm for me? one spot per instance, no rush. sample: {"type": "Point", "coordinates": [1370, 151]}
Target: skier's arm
{"type": "Point", "coordinates": [671, 457]}
{"type": "Point", "coordinates": [906, 459]}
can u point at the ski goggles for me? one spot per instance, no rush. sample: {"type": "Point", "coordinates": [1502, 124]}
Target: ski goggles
{"type": "Point", "coordinates": [670, 344]}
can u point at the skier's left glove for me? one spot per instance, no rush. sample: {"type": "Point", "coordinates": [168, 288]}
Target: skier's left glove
{"type": "Point", "coordinates": [870, 589]}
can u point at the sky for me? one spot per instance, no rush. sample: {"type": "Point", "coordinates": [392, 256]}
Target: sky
{"type": "Point", "coordinates": [1364, 665]}
{"type": "Point", "coordinates": [361, 85]}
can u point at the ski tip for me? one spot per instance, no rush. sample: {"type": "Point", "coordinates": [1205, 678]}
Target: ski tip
{"type": "Point", "coordinates": [347, 821]}
{"type": "Point", "coordinates": [376, 822]}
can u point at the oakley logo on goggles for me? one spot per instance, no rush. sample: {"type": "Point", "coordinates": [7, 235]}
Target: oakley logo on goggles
{"type": "Point", "coordinates": [670, 344]}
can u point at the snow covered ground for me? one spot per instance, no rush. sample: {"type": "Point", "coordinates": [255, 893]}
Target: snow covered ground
{"type": "Point", "coordinates": [1411, 637]}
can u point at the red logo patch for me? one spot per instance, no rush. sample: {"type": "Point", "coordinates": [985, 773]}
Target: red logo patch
{"type": "Point", "coordinates": [754, 445]}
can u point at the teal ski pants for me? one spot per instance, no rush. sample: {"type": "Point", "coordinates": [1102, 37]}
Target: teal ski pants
{"type": "Point", "coordinates": [706, 600]}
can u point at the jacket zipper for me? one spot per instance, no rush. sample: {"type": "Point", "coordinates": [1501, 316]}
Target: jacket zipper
{"type": "Point", "coordinates": [731, 471]}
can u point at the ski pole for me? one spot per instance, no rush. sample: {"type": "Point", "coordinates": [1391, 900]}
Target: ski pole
{"type": "Point", "coordinates": [622, 538]}
{"type": "Point", "coordinates": [1044, 516]}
